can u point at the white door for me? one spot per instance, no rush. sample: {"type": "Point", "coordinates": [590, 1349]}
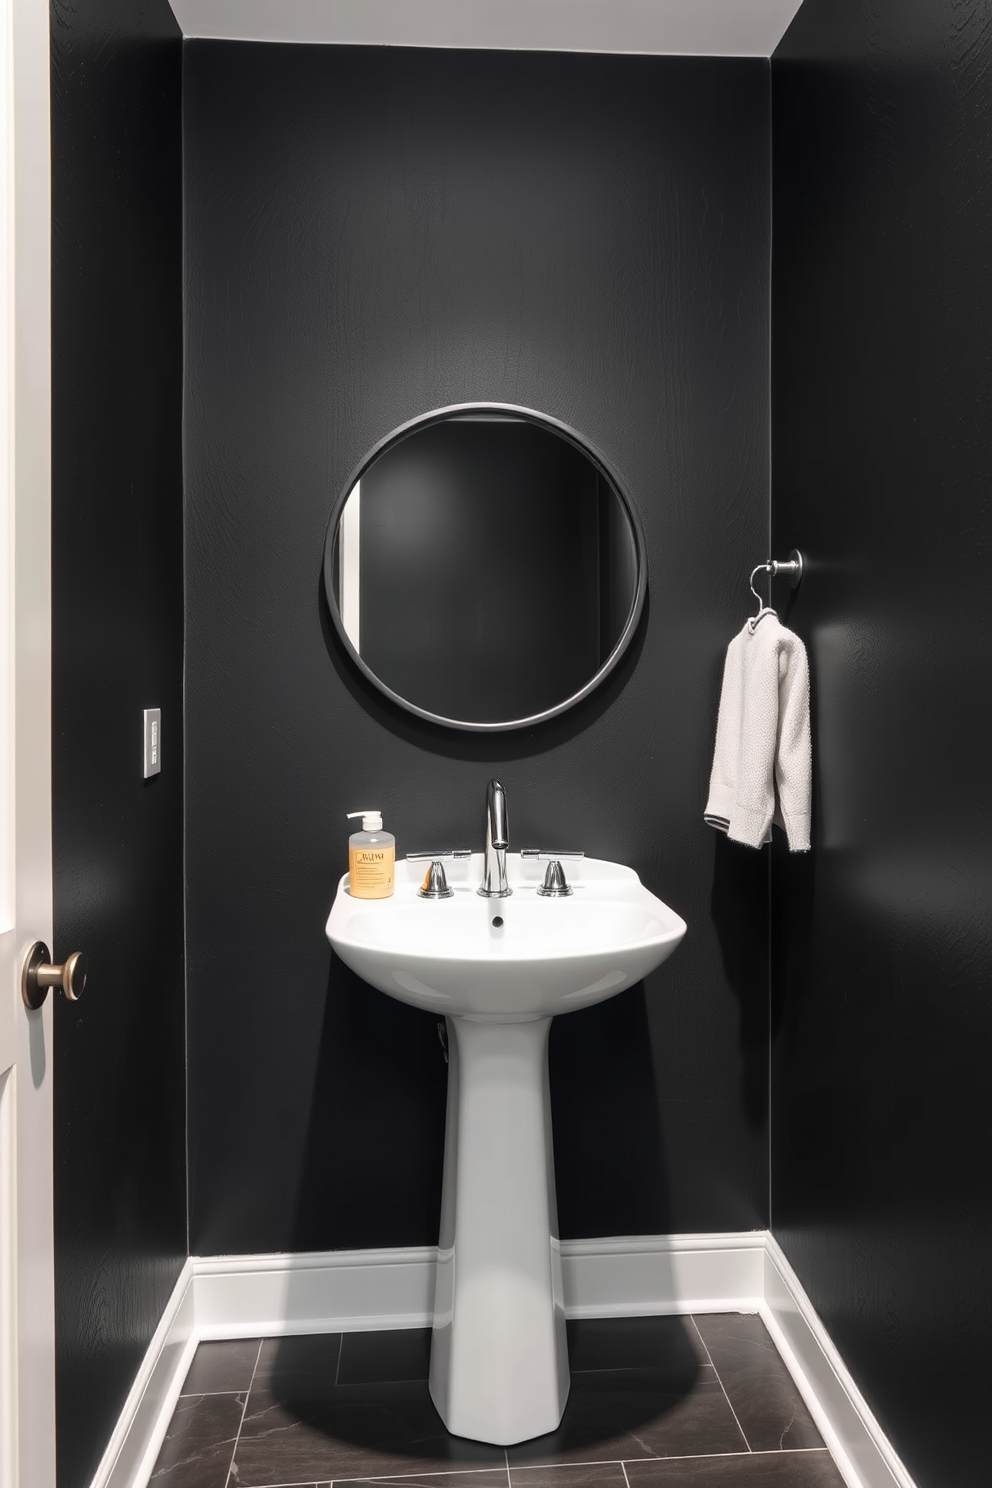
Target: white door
{"type": "Point", "coordinates": [27, 1316]}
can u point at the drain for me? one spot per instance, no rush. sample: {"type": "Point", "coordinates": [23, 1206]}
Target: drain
{"type": "Point", "coordinates": [497, 922]}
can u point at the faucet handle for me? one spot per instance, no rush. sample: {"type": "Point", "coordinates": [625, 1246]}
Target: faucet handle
{"type": "Point", "coordinates": [548, 855]}
{"type": "Point", "coordinates": [440, 857]}
{"type": "Point", "coordinates": [554, 885]}
{"type": "Point", "coordinates": [435, 884]}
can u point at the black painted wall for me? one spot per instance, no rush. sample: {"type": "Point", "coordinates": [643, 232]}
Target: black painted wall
{"type": "Point", "coordinates": [882, 460]}
{"type": "Point", "coordinates": [120, 1204]}
{"type": "Point", "coordinates": [371, 234]}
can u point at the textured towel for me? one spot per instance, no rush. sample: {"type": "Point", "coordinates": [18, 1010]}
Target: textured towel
{"type": "Point", "coordinates": [762, 739]}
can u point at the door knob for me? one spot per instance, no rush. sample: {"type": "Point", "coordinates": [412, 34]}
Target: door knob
{"type": "Point", "coordinates": [37, 975]}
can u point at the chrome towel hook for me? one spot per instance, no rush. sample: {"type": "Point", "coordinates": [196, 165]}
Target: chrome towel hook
{"type": "Point", "coordinates": [792, 568]}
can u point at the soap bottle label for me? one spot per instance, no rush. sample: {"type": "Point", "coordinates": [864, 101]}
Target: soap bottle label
{"type": "Point", "coordinates": [371, 871]}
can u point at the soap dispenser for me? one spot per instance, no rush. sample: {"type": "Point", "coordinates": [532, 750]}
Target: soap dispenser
{"type": "Point", "coordinates": [371, 858]}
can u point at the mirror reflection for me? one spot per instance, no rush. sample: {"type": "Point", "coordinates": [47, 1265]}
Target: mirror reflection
{"type": "Point", "coordinates": [484, 569]}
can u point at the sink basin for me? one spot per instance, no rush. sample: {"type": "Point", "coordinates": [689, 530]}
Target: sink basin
{"type": "Point", "coordinates": [506, 959]}
{"type": "Point", "coordinates": [497, 971]}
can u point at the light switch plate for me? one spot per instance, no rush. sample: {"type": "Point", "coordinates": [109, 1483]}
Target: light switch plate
{"type": "Point", "coordinates": [153, 741]}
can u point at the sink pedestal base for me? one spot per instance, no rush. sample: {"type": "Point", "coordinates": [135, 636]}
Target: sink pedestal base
{"type": "Point", "coordinates": [499, 1364]}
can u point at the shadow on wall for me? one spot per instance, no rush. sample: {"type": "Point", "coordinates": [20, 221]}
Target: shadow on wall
{"type": "Point", "coordinates": [610, 1167]}
{"type": "Point", "coordinates": [792, 885]}
{"type": "Point", "coordinates": [369, 1043]}
{"type": "Point", "coordinates": [791, 930]}
{"type": "Point", "coordinates": [739, 904]}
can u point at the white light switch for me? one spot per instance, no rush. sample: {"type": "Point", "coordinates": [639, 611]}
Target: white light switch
{"type": "Point", "coordinates": [153, 741]}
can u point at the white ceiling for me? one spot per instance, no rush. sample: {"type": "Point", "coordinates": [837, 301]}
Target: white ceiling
{"type": "Point", "coordinates": [701, 28]}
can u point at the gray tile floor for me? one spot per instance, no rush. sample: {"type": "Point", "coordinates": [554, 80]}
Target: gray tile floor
{"type": "Point", "coordinates": [694, 1402]}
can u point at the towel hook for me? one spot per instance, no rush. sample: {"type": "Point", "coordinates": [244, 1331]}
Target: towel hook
{"type": "Point", "coordinates": [792, 567]}
{"type": "Point", "coordinates": [761, 568]}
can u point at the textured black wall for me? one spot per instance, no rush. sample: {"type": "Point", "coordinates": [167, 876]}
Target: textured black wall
{"type": "Point", "coordinates": [120, 1205]}
{"type": "Point", "coordinates": [882, 462]}
{"type": "Point", "coordinates": [371, 234]}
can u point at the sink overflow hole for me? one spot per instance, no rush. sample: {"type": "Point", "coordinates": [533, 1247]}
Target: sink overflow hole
{"type": "Point", "coordinates": [497, 922]}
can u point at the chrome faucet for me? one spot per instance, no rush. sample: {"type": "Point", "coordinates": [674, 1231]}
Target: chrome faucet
{"type": "Point", "coordinates": [494, 884]}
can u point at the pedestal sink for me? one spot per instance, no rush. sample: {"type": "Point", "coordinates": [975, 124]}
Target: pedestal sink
{"type": "Point", "coordinates": [498, 970]}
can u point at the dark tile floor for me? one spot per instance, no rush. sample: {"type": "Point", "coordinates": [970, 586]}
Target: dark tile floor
{"type": "Point", "coordinates": [694, 1402]}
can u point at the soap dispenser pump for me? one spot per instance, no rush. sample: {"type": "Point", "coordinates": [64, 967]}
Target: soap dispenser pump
{"type": "Point", "coordinates": [371, 858]}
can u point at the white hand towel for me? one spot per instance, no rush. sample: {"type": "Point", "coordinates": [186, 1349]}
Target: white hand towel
{"type": "Point", "coordinates": [763, 739]}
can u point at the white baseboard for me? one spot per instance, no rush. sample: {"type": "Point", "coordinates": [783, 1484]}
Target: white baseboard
{"type": "Point", "coordinates": [142, 1424]}
{"type": "Point", "coordinates": [334, 1291]}
{"type": "Point", "coordinates": [859, 1446]}
{"type": "Point", "coordinates": [346, 1291]}
{"type": "Point", "coordinates": [645, 1275]}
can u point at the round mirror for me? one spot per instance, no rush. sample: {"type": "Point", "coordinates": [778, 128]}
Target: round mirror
{"type": "Point", "coordinates": [484, 568]}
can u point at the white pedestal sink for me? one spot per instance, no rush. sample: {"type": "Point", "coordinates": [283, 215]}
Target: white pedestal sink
{"type": "Point", "coordinates": [498, 970]}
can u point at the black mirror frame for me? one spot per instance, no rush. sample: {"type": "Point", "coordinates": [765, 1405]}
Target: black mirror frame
{"type": "Point", "coordinates": [555, 426]}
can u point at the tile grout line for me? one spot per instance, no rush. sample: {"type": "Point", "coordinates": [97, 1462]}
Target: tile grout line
{"type": "Point", "coordinates": [337, 1367]}
{"type": "Point", "coordinates": [526, 1467]}
{"type": "Point", "coordinates": [548, 1466]}
{"type": "Point", "coordinates": [448, 1472]}
{"type": "Point", "coordinates": [207, 1394]}
{"type": "Point", "coordinates": [394, 1477]}
{"type": "Point", "coordinates": [723, 1387]}
{"type": "Point", "coordinates": [623, 1469]}
{"type": "Point", "coordinates": [713, 1457]}
{"type": "Point", "coordinates": [506, 1459]}
{"type": "Point", "coordinates": [775, 1452]}
{"type": "Point", "coordinates": [244, 1408]}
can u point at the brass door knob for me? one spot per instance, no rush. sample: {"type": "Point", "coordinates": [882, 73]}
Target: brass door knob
{"type": "Point", "coordinates": [37, 975]}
